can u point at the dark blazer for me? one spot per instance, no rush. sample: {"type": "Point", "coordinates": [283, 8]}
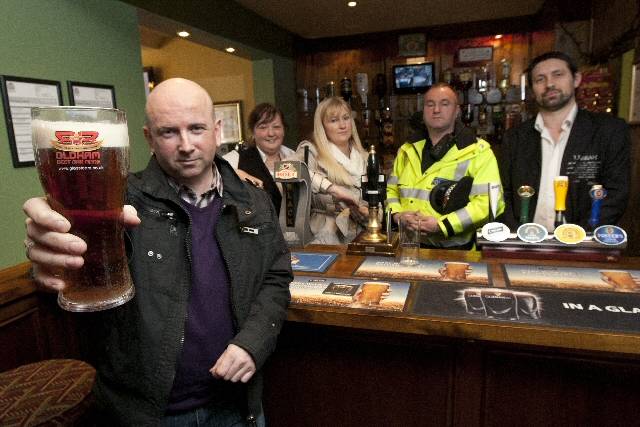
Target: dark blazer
{"type": "Point", "coordinates": [251, 162]}
{"type": "Point", "coordinates": [597, 152]}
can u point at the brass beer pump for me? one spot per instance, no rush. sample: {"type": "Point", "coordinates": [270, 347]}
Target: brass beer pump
{"type": "Point", "coordinates": [374, 191]}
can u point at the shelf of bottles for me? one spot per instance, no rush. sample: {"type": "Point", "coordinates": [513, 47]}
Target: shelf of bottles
{"type": "Point", "coordinates": [489, 102]}
{"type": "Point", "coordinates": [370, 107]}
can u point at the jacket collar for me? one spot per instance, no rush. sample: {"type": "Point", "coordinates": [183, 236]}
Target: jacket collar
{"type": "Point", "coordinates": [155, 183]}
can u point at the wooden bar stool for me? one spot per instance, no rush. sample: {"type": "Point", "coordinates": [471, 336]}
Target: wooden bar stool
{"type": "Point", "coordinates": [54, 392]}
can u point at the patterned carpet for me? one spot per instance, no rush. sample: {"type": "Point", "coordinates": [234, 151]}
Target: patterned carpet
{"type": "Point", "coordinates": [52, 392]}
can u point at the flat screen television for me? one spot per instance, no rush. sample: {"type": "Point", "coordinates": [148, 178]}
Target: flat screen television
{"type": "Point", "coordinates": [413, 78]}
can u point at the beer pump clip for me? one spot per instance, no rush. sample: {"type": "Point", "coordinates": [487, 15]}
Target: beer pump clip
{"type": "Point", "coordinates": [295, 209]}
{"type": "Point", "coordinates": [374, 190]}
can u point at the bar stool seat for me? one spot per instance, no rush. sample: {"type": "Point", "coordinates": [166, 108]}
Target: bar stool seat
{"type": "Point", "coordinates": [55, 392]}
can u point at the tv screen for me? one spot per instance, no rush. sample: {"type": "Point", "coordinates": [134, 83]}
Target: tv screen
{"type": "Point", "coordinates": [414, 78]}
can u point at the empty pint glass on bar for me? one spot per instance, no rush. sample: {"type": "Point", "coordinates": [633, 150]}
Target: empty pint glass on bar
{"type": "Point", "coordinates": [82, 155]}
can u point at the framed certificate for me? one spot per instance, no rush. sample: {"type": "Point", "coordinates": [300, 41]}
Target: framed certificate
{"type": "Point", "coordinates": [634, 101]}
{"type": "Point", "coordinates": [91, 95]}
{"type": "Point", "coordinates": [19, 95]}
{"type": "Point", "coordinates": [474, 55]}
{"type": "Point", "coordinates": [231, 115]}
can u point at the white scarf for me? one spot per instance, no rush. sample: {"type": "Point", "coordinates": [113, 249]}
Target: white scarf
{"type": "Point", "coordinates": [354, 164]}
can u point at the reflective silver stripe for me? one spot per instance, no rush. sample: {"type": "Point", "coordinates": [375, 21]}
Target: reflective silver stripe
{"type": "Point", "coordinates": [393, 180]}
{"type": "Point", "coordinates": [393, 200]}
{"type": "Point", "coordinates": [461, 170]}
{"type": "Point", "coordinates": [464, 217]}
{"type": "Point", "coordinates": [414, 193]}
{"type": "Point", "coordinates": [482, 189]}
{"type": "Point", "coordinates": [479, 189]}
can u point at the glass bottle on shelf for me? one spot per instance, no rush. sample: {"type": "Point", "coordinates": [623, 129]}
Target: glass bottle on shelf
{"type": "Point", "coordinates": [466, 82]}
{"type": "Point", "coordinates": [346, 90]}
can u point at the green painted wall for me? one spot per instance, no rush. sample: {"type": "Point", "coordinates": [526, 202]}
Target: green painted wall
{"type": "Point", "coordinates": [274, 82]}
{"type": "Point", "coordinates": [82, 40]}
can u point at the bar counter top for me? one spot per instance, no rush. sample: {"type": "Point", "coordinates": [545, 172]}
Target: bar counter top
{"type": "Point", "coordinates": [586, 339]}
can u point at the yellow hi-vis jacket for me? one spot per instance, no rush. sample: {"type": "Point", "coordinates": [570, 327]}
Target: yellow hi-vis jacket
{"type": "Point", "coordinates": [408, 188]}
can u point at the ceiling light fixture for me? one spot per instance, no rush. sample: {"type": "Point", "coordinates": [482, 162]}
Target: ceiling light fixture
{"type": "Point", "coordinates": [183, 33]}
{"type": "Point", "coordinates": [498, 36]}
{"type": "Point", "coordinates": [352, 4]}
{"type": "Point", "coordinates": [230, 49]}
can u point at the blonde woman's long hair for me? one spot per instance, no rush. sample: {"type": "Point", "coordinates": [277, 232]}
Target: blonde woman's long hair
{"type": "Point", "coordinates": [335, 172]}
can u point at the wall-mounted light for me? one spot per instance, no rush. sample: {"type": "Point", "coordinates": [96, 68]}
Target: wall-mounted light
{"type": "Point", "coordinates": [184, 34]}
{"type": "Point", "coordinates": [230, 49]}
{"type": "Point", "coordinates": [352, 4]}
{"type": "Point", "coordinates": [498, 36]}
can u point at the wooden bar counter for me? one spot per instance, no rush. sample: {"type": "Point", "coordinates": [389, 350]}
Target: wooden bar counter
{"type": "Point", "coordinates": [353, 367]}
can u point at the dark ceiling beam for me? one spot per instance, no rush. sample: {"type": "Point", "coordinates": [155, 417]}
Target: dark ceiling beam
{"type": "Point", "coordinates": [551, 12]}
{"type": "Point", "coordinates": [521, 24]}
{"type": "Point", "coordinates": [224, 18]}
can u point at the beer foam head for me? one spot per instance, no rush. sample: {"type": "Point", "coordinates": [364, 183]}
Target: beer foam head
{"type": "Point", "coordinates": [112, 135]}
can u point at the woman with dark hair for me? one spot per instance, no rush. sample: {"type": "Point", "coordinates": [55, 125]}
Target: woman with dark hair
{"type": "Point", "coordinates": [264, 149]}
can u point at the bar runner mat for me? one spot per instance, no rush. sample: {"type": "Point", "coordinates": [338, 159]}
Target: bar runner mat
{"type": "Point", "coordinates": [366, 294]}
{"type": "Point", "coordinates": [604, 311]}
{"type": "Point", "coordinates": [312, 262]}
{"type": "Point", "coordinates": [473, 273]}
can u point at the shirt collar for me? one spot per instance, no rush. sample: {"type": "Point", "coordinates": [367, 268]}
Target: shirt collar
{"type": "Point", "coordinates": [567, 123]}
{"type": "Point", "coordinates": [203, 200]}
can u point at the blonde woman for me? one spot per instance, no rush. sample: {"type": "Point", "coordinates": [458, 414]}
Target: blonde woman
{"type": "Point", "coordinates": [336, 163]}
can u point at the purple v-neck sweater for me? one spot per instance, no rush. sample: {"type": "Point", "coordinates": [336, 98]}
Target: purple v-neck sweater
{"type": "Point", "coordinates": [209, 324]}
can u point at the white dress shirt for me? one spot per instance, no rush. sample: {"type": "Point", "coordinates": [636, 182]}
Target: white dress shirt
{"type": "Point", "coordinates": [552, 152]}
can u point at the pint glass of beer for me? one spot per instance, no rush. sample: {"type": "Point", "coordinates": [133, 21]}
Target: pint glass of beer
{"type": "Point", "coordinates": [82, 155]}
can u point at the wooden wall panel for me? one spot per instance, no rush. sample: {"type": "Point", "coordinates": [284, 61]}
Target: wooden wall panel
{"type": "Point", "coordinates": [631, 219]}
{"type": "Point", "coordinates": [544, 390]}
{"type": "Point", "coordinates": [322, 377]}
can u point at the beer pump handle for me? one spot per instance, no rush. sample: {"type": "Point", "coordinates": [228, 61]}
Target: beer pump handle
{"type": "Point", "coordinates": [560, 188]}
{"type": "Point", "coordinates": [493, 190]}
{"type": "Point", "coordinates": [525, 192]}
{"type": "Point", "coordinates": [524, 210]}
{"type": "Point", "coordinates": [597, 193]}
{"type": "Point", "coordinates": [373, 173]}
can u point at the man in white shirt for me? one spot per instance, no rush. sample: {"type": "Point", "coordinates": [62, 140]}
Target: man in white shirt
{"type": "Point", "coordinates": [587, 147]}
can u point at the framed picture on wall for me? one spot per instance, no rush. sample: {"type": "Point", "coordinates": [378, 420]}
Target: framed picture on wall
{"type": "Point", "coordinates": [412, 45]}
{"type": "Point", "coordinates": [231, 115]}
{"type": "Point", "coordinates": [91, 95]}
{"type": "Point", "coordinates": [19, 95]}
{"type": "Point", "coordinates": [634, 101]}
{"type": "Point", "coordinates": [471, 56]}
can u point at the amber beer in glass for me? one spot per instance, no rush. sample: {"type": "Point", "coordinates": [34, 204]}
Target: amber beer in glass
{"type": "Point", "coordinates": [82, 155]}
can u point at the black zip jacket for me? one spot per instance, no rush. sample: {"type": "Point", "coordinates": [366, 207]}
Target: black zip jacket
{"type": "Point", "coordinates": [136, 345]}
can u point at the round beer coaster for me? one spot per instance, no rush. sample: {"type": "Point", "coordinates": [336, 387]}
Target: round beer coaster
{"type": "Point", "coordinates": [532, 232]}
{"type": "Point", "coordinates": [571, 234]}
{"type": "Point", "coordinates": [495, 232]}
{"type": "Point", "coordinates": [611, 235]}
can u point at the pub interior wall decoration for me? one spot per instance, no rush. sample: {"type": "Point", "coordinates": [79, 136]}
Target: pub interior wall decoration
{"type": "Point", "coordinates": [91, 95]}
{"type": "Point", "coordinates": [19, 95]}
{"type": "Point", "coordinates": [231, 115]}
{"type": "Point", "coordinates": [634, 104]}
